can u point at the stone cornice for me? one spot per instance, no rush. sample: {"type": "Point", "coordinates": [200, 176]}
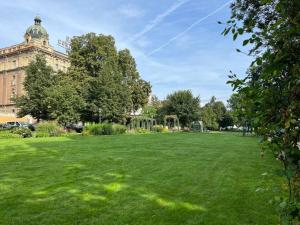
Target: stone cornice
{"type": "Point", "coordinates": [17, 49]}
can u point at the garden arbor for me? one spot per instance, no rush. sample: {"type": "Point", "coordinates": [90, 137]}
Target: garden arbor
{"type": "Point", "coordinates": [197, 126]}
{"type": "Point", "coordinates": [172, 122]}
{"type": "Point", "coordinates": [141, 122]}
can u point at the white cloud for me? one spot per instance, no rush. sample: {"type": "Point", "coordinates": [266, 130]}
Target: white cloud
{"type": "Point", "coordinates": [131, 11]}
{"type": "Point", "coordinates": [143, 42]}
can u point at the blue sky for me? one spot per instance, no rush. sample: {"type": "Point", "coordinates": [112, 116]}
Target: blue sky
{"type": "Point", "coordinates": [176, 43]}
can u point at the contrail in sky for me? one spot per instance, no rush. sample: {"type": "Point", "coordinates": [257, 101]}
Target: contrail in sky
{"type": "Point", "coordinates": [189, 28]}
{"type": "Point", "coordinates": [159, 18]}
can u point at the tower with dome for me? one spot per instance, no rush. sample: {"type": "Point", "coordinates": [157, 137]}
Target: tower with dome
{"type": "Point", "coordinates": [14, 59]}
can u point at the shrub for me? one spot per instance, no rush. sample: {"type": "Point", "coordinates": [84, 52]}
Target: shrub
{"type": "Point", "coordinates": [119, 129]}
{"type": "Point", "coordinates": [85, 132]}
{"type": "Point", "coordinates": [22, 131]}
{"type": "Point", "coordinates": [48, 129]}
{"type": "Point", "coordinates": [157, 128]}
{"type": "Point", "coordinates": [165, 130]}
{"type": "Point", "coordinates": [93, 129]}
{"type": "Point", "coordinates": [107, 129]}
{"type": "Point", "coordinates": [103, 129]}
{"type": "Point", "coordinates": [161, 129]}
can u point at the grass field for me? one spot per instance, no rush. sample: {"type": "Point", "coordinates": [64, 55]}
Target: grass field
{"type": "Point", "coordinates": [158, 179]}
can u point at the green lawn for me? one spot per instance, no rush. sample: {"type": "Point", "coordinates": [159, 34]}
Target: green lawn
{"type": "Point", "coordinates": [158, 179]}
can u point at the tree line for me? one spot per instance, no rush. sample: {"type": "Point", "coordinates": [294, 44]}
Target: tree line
{"type": "Point", "coordinates": [214, 114]}
{"type": "Point", "coordinates": [101, 84]}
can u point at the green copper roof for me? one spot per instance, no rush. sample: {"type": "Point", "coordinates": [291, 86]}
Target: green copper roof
{"type": "Point", "coordinates": [36, 30]}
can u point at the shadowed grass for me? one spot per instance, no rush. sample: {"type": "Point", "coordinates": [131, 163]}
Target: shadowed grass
{"type": "Point", "coordinates": [183, 178]}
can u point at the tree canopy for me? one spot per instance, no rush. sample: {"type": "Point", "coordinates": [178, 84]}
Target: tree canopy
{"type": "Point", "coordinates": [49, 95]}
{"type": "Point", "coordinates": [271, 88]}
{"type": "Point", "coordinates": [109, 81]}
{"type": "Point", "coordinates": [184, 105]}
{"type": "Point", "coordinates": [213, 115]}
{"type": "Point", "coordinates": [39, 78]}
{"type": "Point", "coordinates": [101, 84]}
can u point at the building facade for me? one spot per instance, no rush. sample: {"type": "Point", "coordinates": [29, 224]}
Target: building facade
{"type": "Point", "coordinates": [14, 59]}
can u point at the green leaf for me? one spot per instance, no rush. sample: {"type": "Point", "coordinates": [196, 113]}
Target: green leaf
{"type": "Point", "coordinates": [226, 31]}
{"type": "Point", "coordinates": [245, 42]}
{"type": "Point", "coordinates": [259, 61]}
{"type": "Point", "coordinates": [240, 31]}
{"type": "Point", "coordinates": [287, 124]}
{"type": "Point", "coordinates": [235, 36]}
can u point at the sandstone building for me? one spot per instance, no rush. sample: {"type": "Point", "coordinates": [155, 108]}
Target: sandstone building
{"type": "Point", "coordinates": [14, 59]}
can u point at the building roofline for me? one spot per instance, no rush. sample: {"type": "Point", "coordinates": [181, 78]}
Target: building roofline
{"type": "Point", "coordinates": [12, 46]}
{"type": "Point", "coordinates": [25, 47]}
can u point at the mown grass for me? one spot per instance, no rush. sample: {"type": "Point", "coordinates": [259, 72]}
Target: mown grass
{"type": "Point", "coordinates": [158, 179]}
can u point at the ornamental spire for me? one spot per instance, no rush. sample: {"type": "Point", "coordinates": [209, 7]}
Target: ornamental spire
{"type": "Point", "coordinates": [37, 20]}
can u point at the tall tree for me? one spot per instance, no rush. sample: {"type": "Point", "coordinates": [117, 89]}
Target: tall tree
{"type": "Point", "coordinates": [149, 111]}
{"type": "Point", "coordinates": [184, 105]}
{"type": "Point", "coordinates": [63, 101]}
{"type": "Point", "coordinates": [226, 121]}
{"type": "Point", "coordinates": [139, 89]}
{"type": "Point", "coordinates": [240, 111]}
{"type": "Point", "coordinates": [213, 113]}
{"type": "Point", "coordinates": [218, 108]}
{"type": "Point", "coordinates": [107, 80]}
{"type": "Point", "coordinates": [271, 88]}
{"type": "Point", "coordinates": [209, 117]}
{"type": "Point", "coordinates": [39, 77]}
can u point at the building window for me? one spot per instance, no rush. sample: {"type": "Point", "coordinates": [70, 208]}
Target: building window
{"type": "Point", "coordinates": [44, 42]}
{"type": "Point", "coordinates": [14, 80]}
{"type": "Point", "coordinates": [13, 110]}
{"type": "Point", "coordinates": [14, 64]}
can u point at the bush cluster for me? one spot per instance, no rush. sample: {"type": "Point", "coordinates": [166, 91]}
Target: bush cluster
{"type": "Point", "coordinates": [48, 129]}
{"type": "Point", "coordinates": [160, 129]}
{"type": "Point", "coordinates": [119, 129]}
{"type": "Point", "coordinates": [103, 129]}
{"type": "Point", "coordinates": [22, 131]}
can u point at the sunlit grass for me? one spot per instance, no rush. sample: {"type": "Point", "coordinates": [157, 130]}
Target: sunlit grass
{"type": "Point", "coordinates": [158, 179]}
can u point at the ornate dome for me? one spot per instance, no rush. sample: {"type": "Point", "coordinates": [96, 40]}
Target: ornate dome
{"type": "Point", "coordinates": [36, 30]}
